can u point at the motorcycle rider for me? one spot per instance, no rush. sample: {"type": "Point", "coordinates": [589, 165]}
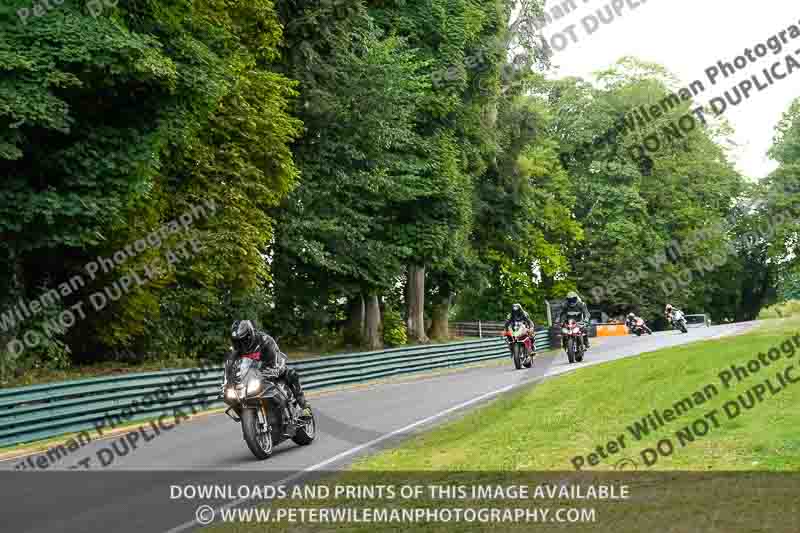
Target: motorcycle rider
{"type": "Point", "coordinates": [669, 310]}
{"type": "Point", "coordinates": [630, 322]}
{"type": "Point", "coordinates": [248, 342]}
{"type": "Point", "coordinates": [575, 308]}
{"type": "Point", "coordinates": [518, 314]}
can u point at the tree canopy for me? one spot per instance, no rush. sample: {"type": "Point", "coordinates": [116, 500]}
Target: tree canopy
{"type": "Point", "coordinates": [377, 168]}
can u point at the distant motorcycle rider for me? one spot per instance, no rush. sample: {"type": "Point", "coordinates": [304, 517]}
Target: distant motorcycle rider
{"type": "Point", "coordinates": [630, 322]}
{"type": "Point", "coordinates": [248, 342]}
{"type": "Point", "coordinates": [669, 310]}
{"type": "Point", "coordinates": [574, 308]}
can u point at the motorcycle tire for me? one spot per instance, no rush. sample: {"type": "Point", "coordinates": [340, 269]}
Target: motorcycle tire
{"type": "Point", "coordinates": [307, 433]}
{"type": "Point", "coordinates": [638, 333]}
{"type": "Point", "coordinates": [571, 351]}
{"type": "Point", "coordinates": [528, 361]}
{"type": "Point", "coordinates": [517, 357]}
{"type": "Point", "coordinates": [262, 448]}
{"type": "Point", "coordinates": [683, 328]}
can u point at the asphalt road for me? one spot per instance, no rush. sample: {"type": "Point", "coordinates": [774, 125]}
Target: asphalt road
{"type": "Point", "coordinates": [132, 493]}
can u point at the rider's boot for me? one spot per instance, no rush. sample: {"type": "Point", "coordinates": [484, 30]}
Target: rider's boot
{"type": "Point", "coordinates": [300, 397]}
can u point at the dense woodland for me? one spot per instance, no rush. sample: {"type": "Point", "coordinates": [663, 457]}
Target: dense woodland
{"type": "Point", "coordinates": [379, 167]}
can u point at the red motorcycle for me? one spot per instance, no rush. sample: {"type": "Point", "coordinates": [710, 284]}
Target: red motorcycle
{"type": "Point", "coordinates": [520, 342]}
{"type": "Point", "coordinates": [573, 340]}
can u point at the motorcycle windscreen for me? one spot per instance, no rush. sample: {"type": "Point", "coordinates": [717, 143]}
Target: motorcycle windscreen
{"type": "Point", "coordinates": [237, 371]}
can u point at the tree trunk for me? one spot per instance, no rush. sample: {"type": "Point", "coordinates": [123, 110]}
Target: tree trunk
{"type": "Point", "coordinates": [416, 303]}
{"type": "Point", "coordinates": [440, 324]}
{"type": "Point", "coordinates": [355, 327]}
{"type": "Point", "coordinates": [373, 323]}
{"type": "Point", "coordinates": [407, 295]}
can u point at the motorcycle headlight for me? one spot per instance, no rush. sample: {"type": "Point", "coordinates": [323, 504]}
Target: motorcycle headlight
{"type": "Point", "coordinates": [230, 393]}
{"type": "Point", "coordinates": [253, 386]}
{"type": "Point", "coordinates": [564, 330]}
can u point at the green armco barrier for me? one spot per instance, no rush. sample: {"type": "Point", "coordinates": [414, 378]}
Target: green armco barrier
{"type": "Point", "coordinates": [37, 412]}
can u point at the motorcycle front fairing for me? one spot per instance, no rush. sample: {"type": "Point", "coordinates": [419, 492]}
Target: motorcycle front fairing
{"type": "Point", "coordinates": [521, 332]}
{"type": "Point", "coordinates": [244, 383]}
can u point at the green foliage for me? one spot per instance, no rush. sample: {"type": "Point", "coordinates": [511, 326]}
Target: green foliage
{"type": "Point", "coordinates": [786, 145]}
{"type": "Point", "coordinates": [118, 123]}
{"type": "Point", "coordinates": [782, 310]}
{"type": "Point", "coordinates": [342, 142]}
{"type": "Point", "coordinates": [44, 347]}
{"type": "Point", "coordinates": [394, 328]}
{"type": "Point", "coordinates": [634, 211]}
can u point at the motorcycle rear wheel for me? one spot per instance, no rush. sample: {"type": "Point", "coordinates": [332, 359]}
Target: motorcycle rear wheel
{"type": "Point", "coordinates": [305, 434]}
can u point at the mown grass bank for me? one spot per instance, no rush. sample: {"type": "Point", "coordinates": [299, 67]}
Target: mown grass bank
{"type": "Point", "coordinates": [545, 427]}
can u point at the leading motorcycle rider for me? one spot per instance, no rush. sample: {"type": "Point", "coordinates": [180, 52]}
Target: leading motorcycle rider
{"type": "Point", "coordinates": [518, 314]}
{"type": "Point", "coordinates": [668, 312]}
{"type": "Point", "coordinates": [257, 345]}
{"type": "Point", "coordinates": [575, 308]}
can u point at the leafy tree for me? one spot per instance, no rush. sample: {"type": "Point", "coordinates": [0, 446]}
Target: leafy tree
{"type": "Point", "coordinates": [114, 124]}
{"type": "Point", "coordinates": [637, 211]}
{"type": "Point", "coordinates": [360, 156]}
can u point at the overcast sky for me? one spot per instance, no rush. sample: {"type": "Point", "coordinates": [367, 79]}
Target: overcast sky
{"type": "Point", "coordinates": [686, 37]}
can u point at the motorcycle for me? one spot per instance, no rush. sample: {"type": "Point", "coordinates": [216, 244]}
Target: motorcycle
{"type": "Point", "coordinates": [520, 343]}
{"type": "Point", "coordinates": [265, 407]}
{"type": "Point", "coordinates": [679, 321]}
{"type": "Point", "coordinates": [574, 346]}
{"type": "Point", "coordinates": [639, 327]}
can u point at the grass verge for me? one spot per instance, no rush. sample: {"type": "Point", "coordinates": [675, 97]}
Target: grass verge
{"type": "Point", "coordinates": [545, 427]}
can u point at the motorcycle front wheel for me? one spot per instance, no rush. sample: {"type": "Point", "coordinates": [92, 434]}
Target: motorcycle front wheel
{"type": "Point", "coordinates": [571, 350]}
{"type": "Point", "coordinates": [516, 355]}
{"type": "Point", "coordinates": [256, 435]}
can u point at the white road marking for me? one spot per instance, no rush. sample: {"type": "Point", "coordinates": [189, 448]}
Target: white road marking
{"type": "Point", "coordinates": [550, 372]}
{"type": "Point", "coordinates": [359, 448]}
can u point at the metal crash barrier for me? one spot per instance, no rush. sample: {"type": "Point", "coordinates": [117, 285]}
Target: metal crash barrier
{"type": "Point", "coordinates": [48, 410]}
{"type": "Point", "coordinates": [697, 321]}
